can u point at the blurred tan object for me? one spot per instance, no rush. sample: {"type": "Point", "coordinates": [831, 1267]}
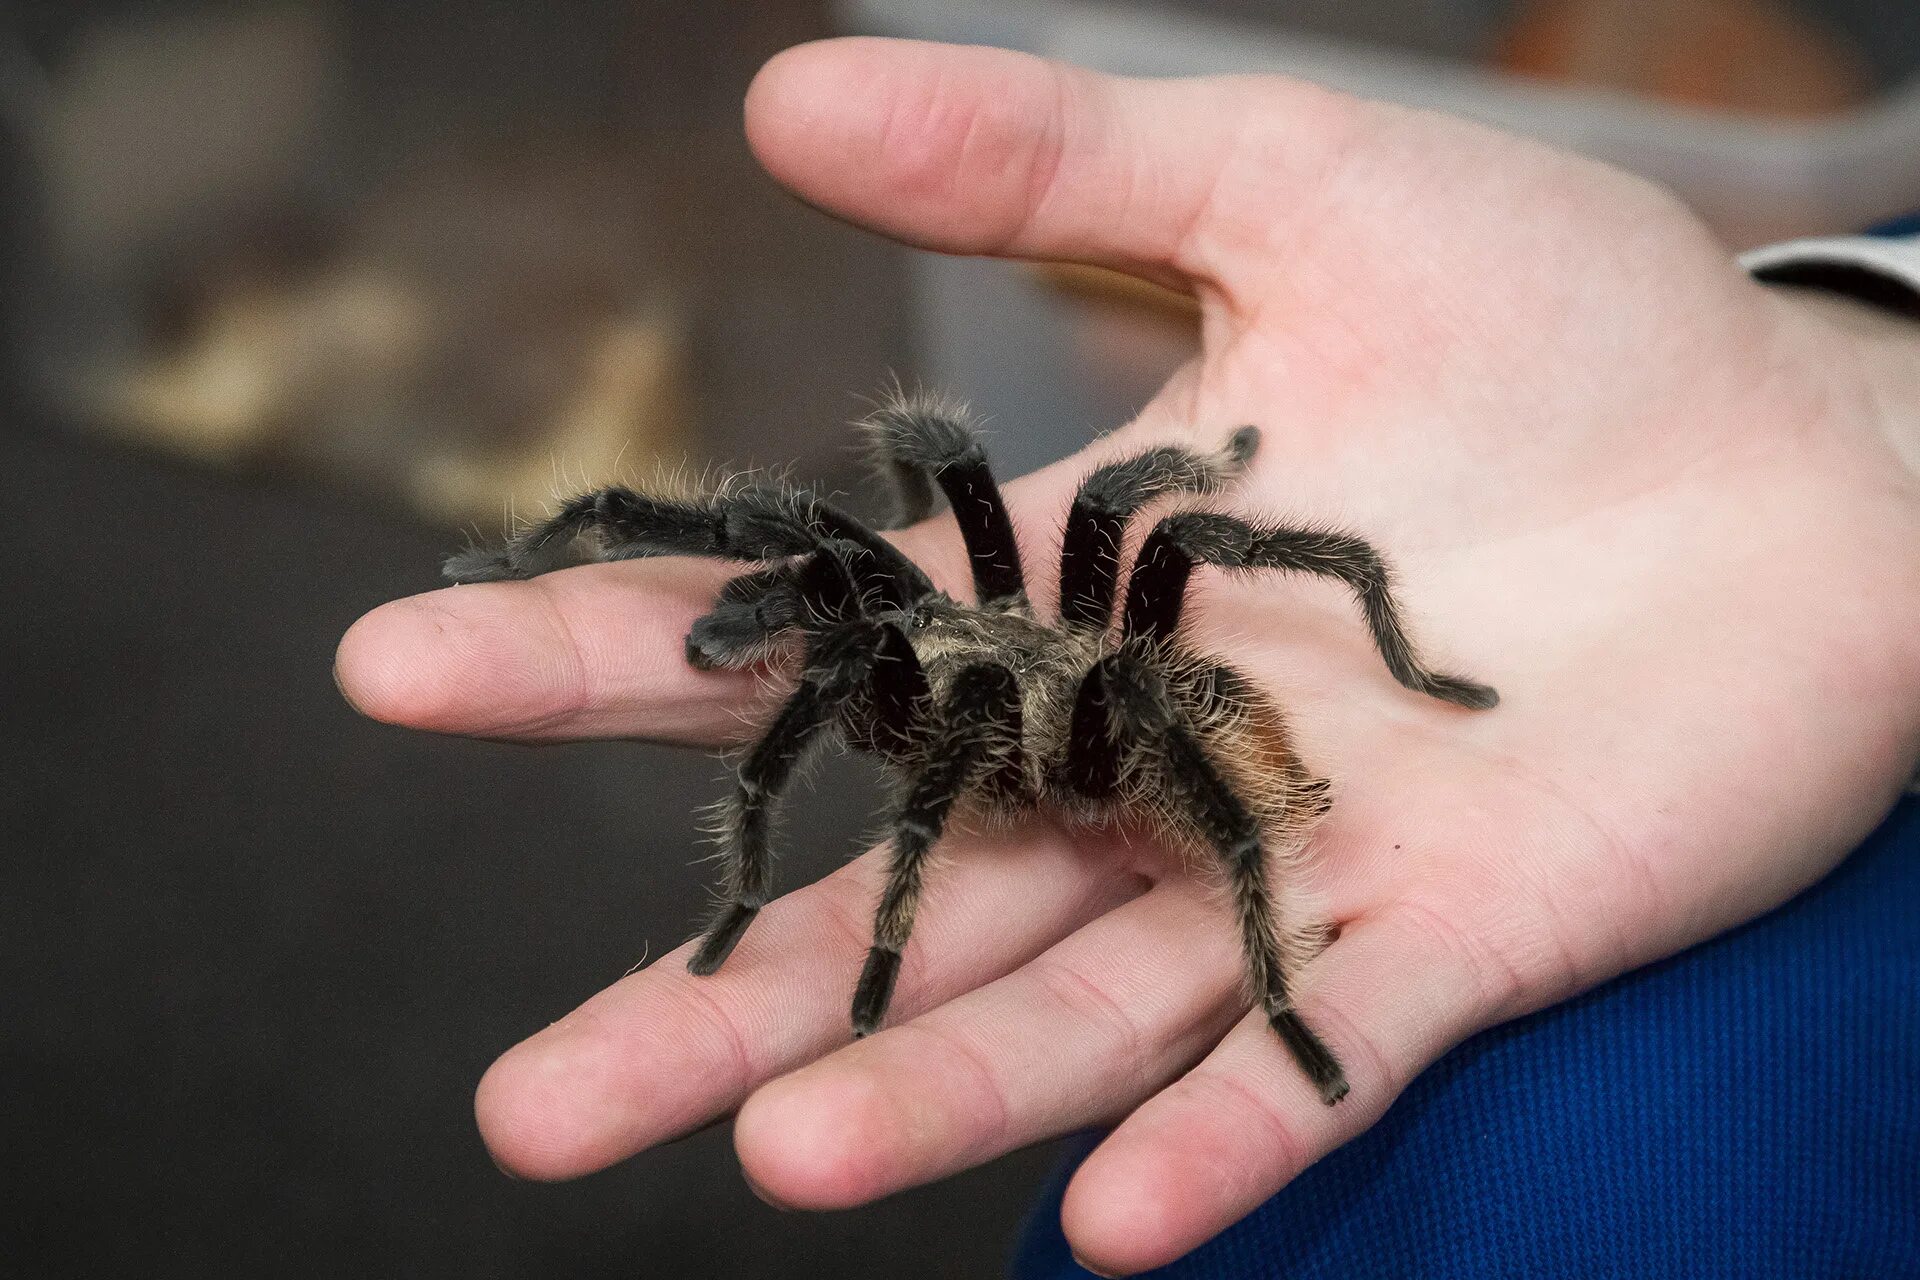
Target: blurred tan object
{"type": "Point", "coordinates": [490, 326]}
{"type": "Point", "coordinates": [1099, 284]}
{"type": "Point", "coordinates": [262, 357]}
{"type": "Point", "coordinates": [258, 354]}
{"type": "Point", "coordinates": [246, 263]}
{"type": "Point", "coordinates": [628, 409]}
{"type": "Point", "coordinates": [1752, 56]}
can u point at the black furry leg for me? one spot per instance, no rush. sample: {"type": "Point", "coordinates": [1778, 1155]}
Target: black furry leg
{"type": "Point", "coordinates": [1109, 498]}
{"type": "Point", "coordinates": [838, 671]}
{"type": "Point", "coordinates": [1235, 836]}
{"type": "Point", "coordinates": [978, 725]}
{"type": "Point", "coordinates": [923, 434]}
{"type": "Point", "coordinates": [908, 481]}
{"type": "Point", "coordinates": [1092, 762]}
{"type": "Point", "coordinates": [1157, 590]}
{"type": "Point", "coordinates": [1147, 715]}
{"type": "Point", "coordinates": [755, 523]}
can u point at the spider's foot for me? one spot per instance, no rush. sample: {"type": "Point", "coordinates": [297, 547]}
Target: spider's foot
{"type": "Point", "coordinates": [875, 992]}
{"type": "Point", "coordinates": [721, 939]}
{"type": "Point", "coordinates": [730, 636]}
{"type": "Point", "coordinates": [1463, 692]}
{"type": "Point", "coordinates": [698, 656]}
{"type": "Point", "coordinates": [1242, 445]}
{"type": "Point", "coordinates": [1312, 1054]}
{"type": "Point", "coordinates": [479, 564]}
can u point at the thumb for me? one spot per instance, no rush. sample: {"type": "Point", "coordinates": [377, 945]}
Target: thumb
{"type": "Point", "coordinates": [983, 151]}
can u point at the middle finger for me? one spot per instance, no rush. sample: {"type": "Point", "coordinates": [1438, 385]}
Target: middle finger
{"type": "Point", "coordinates": [1081, 1035]}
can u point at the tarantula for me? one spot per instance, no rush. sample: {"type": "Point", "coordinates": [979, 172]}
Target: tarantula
{"type": "Point", "coordinates": [987, 706]}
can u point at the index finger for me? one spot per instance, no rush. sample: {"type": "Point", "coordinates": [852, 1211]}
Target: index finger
{"type": "Point", "coordinates": [594, 651]}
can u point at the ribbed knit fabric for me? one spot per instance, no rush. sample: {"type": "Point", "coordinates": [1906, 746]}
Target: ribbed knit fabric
{"type": "Point", "coordinates": [1749, 1108]}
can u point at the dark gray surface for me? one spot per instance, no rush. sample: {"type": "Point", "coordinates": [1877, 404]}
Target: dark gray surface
{"type": "Point", "coordinates": [259, 950]}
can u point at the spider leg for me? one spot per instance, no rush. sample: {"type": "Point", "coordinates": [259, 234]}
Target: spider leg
{"type": "Point", "coordinates": [921, 434]}
{"type": "Point", "coordinates": [1110, 497]}
{"type": "Point", "coordinates": [840, 668]}
{"type": "Point", "coordinates": [1145, 713]}
{"type": "Point", "coordinates": [1157, 590]}
{"type": "Point", "coordinates": [979, 724]}
{"type": "Point", "coordinates": [758, 522]}
{"type": "Point", "coordinates": [909, 483]}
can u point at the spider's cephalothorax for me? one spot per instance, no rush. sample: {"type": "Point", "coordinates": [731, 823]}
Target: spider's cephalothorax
{"type": "Point", "coordinates": [984, 706]}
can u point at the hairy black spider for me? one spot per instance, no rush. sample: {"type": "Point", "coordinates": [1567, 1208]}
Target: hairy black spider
{"type": "Point", "coordinates": [987, 706]}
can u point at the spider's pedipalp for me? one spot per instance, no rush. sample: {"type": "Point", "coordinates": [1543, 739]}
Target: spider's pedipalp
{"type": "Point", "coordinates": [1156, 593]}
{"type": "Point", "coordinates": [979, 722]}
{"type": "Point", "coordinates": [752, 612]}
{"type": "Point", "coordinates": [1110, 496]}
{"type": "Point", "coordinates": [934, 437]}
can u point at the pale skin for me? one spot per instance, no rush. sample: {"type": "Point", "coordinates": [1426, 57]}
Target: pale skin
{"type": "Point", "coordinates": [1672, 515]}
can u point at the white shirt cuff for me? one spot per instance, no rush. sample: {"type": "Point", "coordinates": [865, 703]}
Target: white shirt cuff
{"type": "Point", "coordinates": [1880, 269]}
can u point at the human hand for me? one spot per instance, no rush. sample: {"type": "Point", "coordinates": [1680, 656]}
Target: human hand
{"type": "Point", "coordinates": [1663, 510]}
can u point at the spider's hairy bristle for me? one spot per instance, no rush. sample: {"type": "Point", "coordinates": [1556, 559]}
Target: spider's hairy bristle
{"type": "Point", "coordinates": [681, 480]}
{"type": "Point", "coordinates": [1124, 487]}
{"type": "Point", "coordinates": [922, 428]}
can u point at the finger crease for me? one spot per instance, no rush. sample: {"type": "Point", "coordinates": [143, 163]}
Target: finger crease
{"type": "Point", "coordinates": [991, 1139]}
{"type": "Point", "coordinates": [1048, 162]}
{"type": "Point", "coordinates": [1290, 1146]}
{"type": "Point", "coordinates": [1084, 997]}
{"type": "Point", "coordinates": [745, 1071]}
{"type": "Point", "coordinates": [574, 700]}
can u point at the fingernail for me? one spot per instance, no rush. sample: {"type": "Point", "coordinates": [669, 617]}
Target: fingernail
{"type": "Point", "coordinates": [762, 1192]}
{"type": "Point", "coordinates": [341, 685]}
{"type": "Point", "coordinates": [1084, 1265]}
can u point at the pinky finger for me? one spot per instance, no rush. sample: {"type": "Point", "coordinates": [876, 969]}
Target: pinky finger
{"type": "Point", "coordinates": [1214, 1145]}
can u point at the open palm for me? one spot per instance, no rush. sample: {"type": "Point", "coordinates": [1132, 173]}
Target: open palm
{"type": "Point", "coordinates": [1661, 509]}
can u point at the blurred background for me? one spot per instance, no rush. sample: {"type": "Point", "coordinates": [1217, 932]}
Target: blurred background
{"type": "Point", "coordinates": [301, 294]}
